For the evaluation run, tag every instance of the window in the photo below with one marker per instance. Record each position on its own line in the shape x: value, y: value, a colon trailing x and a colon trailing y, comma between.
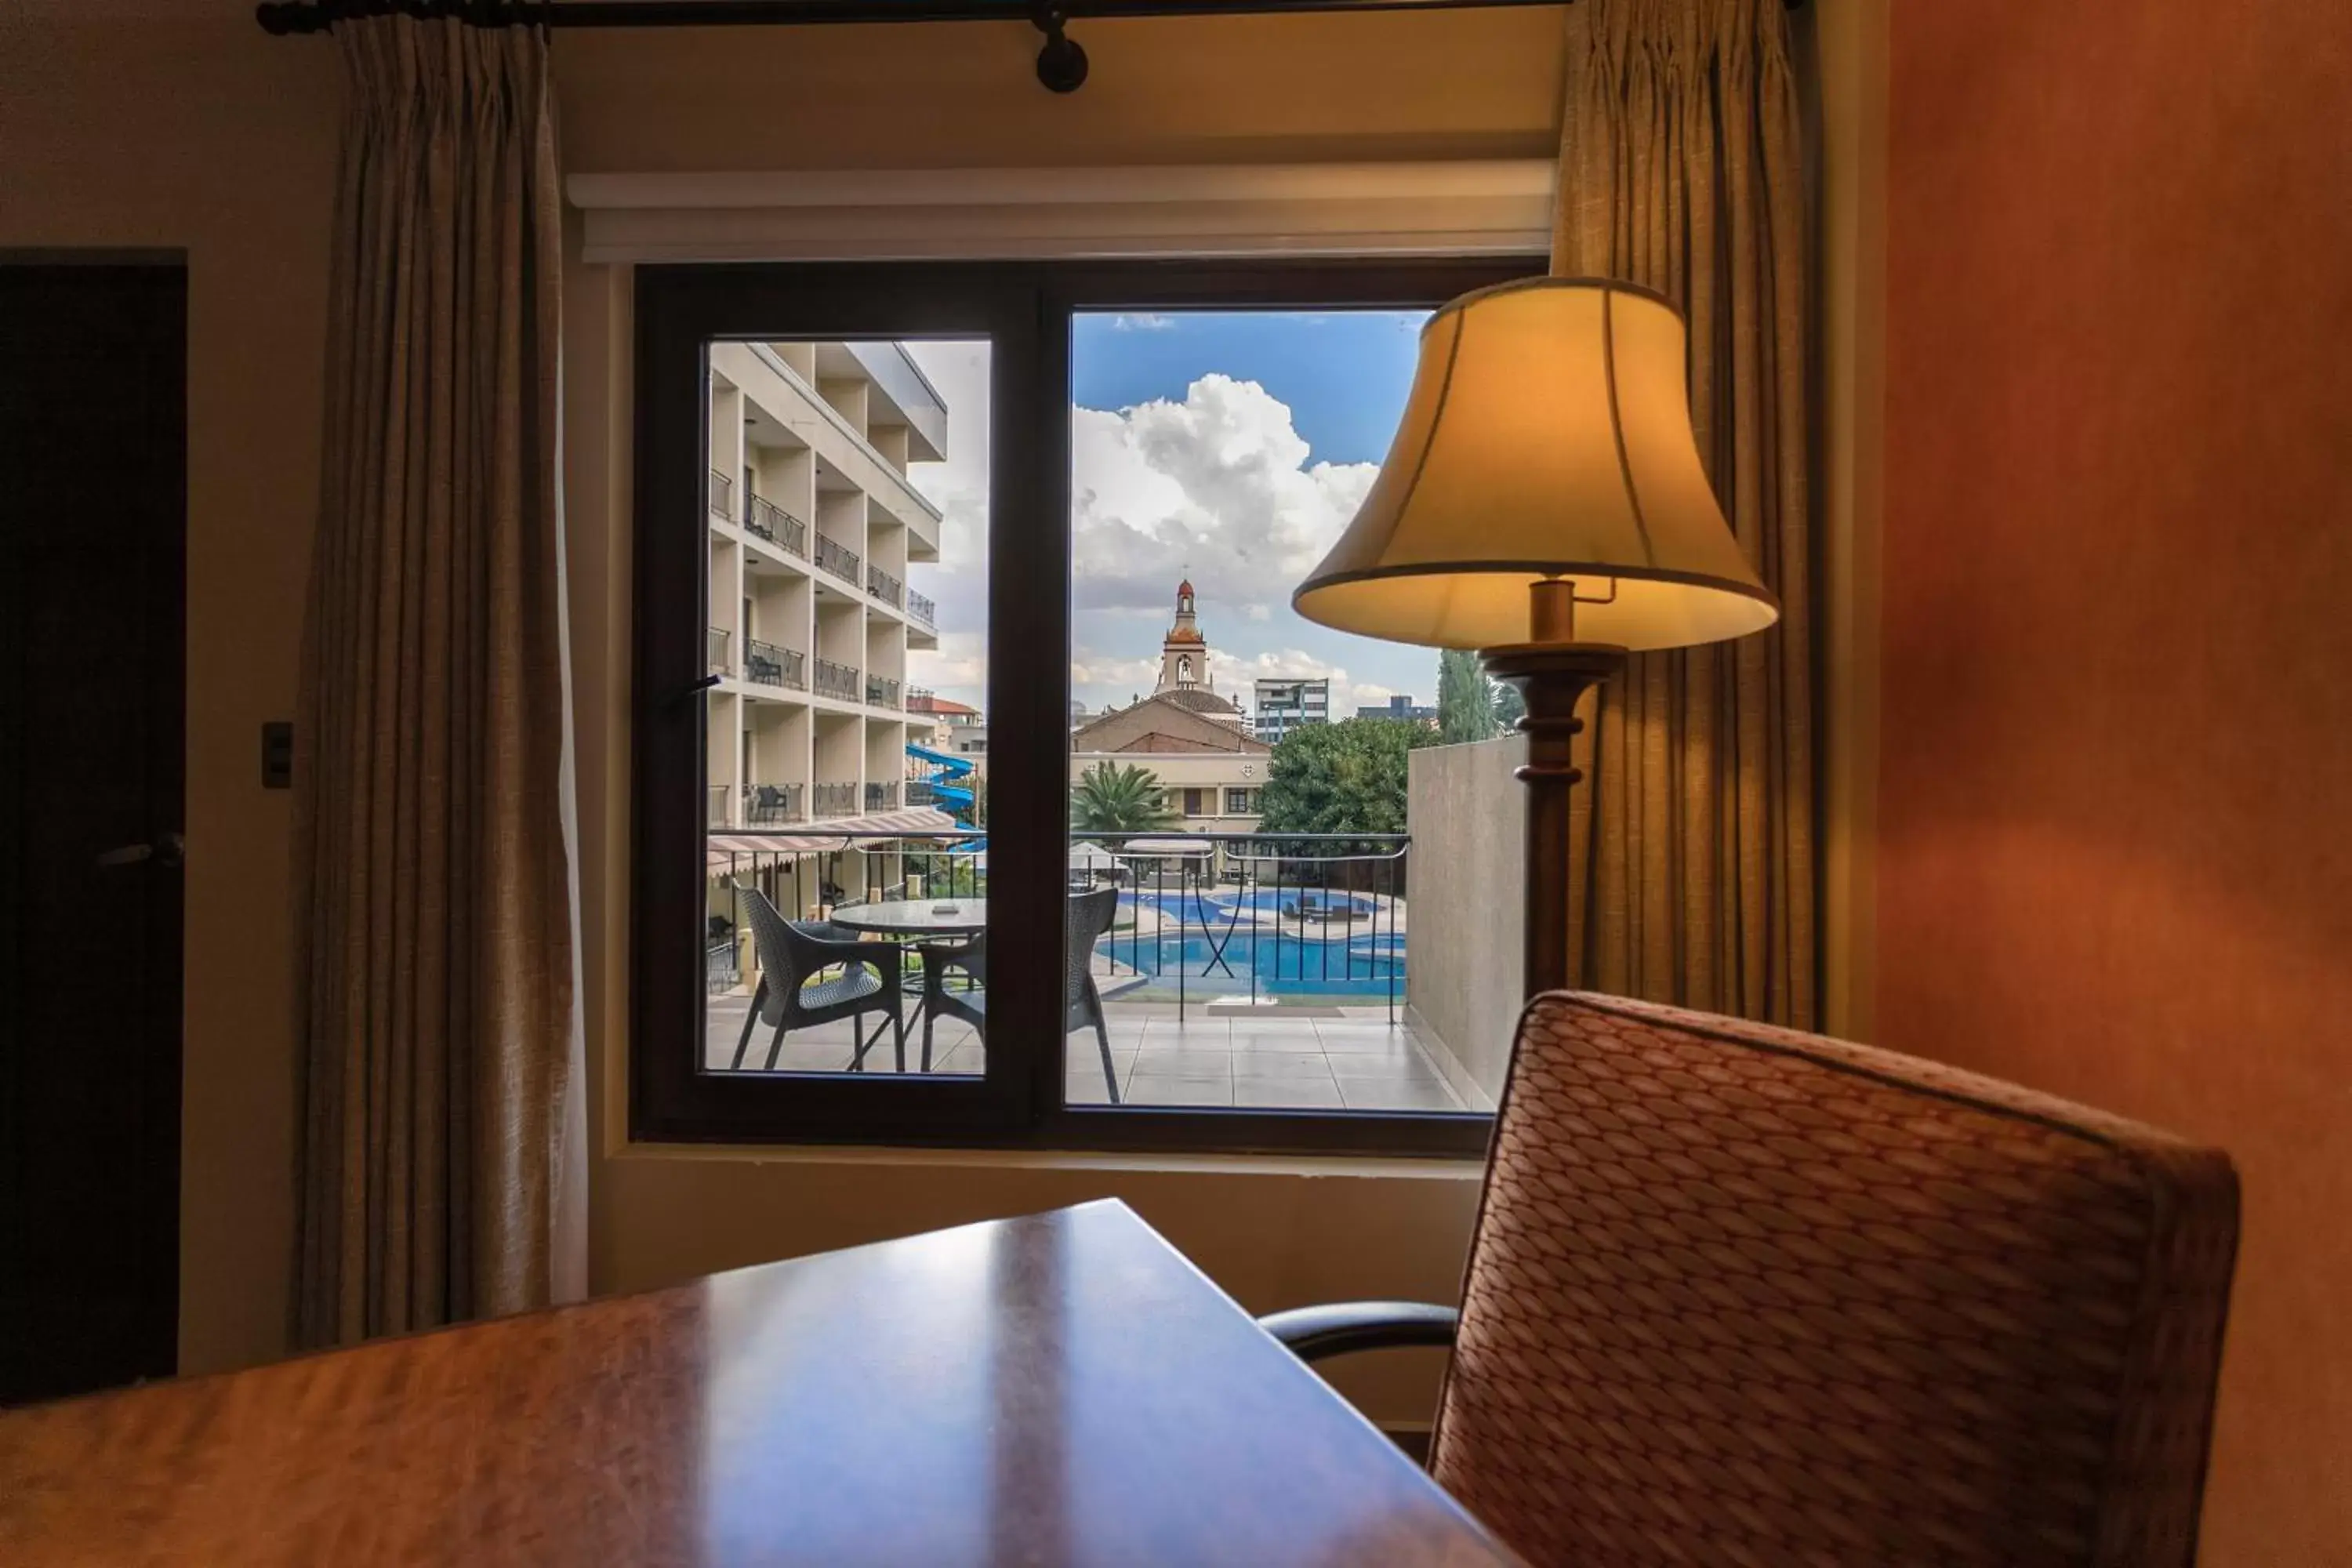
x: 912, y: 486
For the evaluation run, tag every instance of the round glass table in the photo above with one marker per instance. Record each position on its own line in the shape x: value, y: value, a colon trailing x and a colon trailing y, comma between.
x: 914, y: 917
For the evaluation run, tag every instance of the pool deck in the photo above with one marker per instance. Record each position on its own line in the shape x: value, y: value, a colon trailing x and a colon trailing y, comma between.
x: 1318, y: 1057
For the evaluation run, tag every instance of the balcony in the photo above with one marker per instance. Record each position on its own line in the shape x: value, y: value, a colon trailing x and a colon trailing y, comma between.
x: 770, y: 665
x: 718, y: 652
x: 920, y: 792
x: 881, y: 691
x: 719, y: 797
x: 837, y: 558
x: 923, y: 609
x: 882, y: 797
x: 778, y: 527
x: 834, y: 800
x: 884, y: 587
x: 722, y: 495
x: 836, y: 680
x: 767, y: 805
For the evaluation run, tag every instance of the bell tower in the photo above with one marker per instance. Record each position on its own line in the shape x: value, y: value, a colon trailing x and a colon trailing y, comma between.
x: 1184, y: 653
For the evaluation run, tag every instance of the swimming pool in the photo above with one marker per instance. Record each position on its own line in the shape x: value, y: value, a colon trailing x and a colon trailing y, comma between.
x: 1276, y: 962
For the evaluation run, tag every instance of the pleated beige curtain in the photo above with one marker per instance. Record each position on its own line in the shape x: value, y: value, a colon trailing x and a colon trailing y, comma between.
x: 441, y: 1158
x: 1680, y: 169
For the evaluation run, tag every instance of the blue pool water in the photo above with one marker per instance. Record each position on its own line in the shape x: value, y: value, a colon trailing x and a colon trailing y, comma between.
x: 1264, y: 961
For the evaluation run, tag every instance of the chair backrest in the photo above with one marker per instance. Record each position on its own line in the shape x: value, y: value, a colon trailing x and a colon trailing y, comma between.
x: 1745, y: 1295
x: 1090, y: 916
x: 771, y: 940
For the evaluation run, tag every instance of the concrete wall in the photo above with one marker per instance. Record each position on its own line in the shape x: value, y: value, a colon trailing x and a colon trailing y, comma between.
x: 1464, y: 911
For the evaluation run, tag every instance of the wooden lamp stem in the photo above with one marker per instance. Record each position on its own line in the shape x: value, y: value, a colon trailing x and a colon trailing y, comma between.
x: 1552, y: 673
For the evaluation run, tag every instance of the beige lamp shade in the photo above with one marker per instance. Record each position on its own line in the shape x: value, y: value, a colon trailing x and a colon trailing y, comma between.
x: 1547, y: 435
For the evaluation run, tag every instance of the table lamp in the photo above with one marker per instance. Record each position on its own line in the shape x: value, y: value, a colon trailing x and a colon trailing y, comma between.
x: 1543, y: 503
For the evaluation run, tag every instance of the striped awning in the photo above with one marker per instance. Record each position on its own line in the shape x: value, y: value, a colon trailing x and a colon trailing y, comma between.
x: 721, y: 849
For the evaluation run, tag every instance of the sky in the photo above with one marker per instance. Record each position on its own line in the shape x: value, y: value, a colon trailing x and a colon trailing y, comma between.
x: 1232, y: 447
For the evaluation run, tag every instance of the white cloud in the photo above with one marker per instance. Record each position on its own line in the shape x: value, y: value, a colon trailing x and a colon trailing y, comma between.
x: 1142, y: 321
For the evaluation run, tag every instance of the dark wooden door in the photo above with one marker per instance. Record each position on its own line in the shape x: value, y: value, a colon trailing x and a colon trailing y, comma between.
x: 92, y: 538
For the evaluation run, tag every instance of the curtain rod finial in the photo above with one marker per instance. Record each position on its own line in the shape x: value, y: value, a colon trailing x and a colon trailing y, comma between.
x: 1061, y: 63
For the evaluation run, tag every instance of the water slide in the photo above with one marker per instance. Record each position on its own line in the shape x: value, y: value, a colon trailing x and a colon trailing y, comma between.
x: 955, y: 796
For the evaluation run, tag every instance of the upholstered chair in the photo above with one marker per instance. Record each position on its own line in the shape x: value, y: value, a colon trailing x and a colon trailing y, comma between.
x: 1745, y: 1296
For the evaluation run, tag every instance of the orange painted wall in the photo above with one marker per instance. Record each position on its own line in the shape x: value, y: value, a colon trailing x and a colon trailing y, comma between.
x: 2115, y: 786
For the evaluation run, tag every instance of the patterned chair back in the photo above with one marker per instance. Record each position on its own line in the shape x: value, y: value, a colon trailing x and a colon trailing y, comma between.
x: 1742, y: 1295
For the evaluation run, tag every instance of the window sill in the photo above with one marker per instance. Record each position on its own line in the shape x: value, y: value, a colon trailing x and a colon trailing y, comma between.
x: 1389, y: 1167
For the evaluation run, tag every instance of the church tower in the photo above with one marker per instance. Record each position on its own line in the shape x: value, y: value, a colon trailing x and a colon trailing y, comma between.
x: 1184, y: 654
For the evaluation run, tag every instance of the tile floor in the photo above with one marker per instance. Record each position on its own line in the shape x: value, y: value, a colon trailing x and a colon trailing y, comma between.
x: 1340, y: 1058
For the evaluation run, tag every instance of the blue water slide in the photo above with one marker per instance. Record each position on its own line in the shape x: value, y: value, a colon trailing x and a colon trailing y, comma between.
x: 956, y: 797
x: 949, y: 767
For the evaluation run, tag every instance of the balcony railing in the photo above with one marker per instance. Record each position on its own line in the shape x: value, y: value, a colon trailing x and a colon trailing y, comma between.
x: 837, y: 558
x: 881, y: 691
x: 770, y: 665
x: 766, y: 805
x: 722, y: 494
x: 774, y: 524
x: 838, y: 680
x: 715, y: 642
x: 920, y: 792
x: 884, y: 587
x: 719, y: 795
x: 882, y: 797
x: 834, y: 800
x: 923, y: 609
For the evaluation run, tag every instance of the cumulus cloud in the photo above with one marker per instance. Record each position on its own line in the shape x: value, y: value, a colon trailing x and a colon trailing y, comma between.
x: 1218, y: 488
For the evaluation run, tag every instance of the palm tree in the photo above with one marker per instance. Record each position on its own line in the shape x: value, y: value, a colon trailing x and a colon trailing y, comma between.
x: 1108, y: 798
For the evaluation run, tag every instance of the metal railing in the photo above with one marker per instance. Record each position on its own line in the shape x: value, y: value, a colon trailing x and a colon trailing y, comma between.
x: 836, y: 558
x: 834, y: 800
x: 923, y: 609
x: 838, y: 680
x: 717, y: 651
x: 1315, y: 918
x: 722, y: 494
x: 774, y: 524
x: 884, y: 587
x: 881, y: 691
x: 768, y: 803
x: 719, y: 795
x: 882, y: 797
x: 771, y: 664
x: 920, y: 792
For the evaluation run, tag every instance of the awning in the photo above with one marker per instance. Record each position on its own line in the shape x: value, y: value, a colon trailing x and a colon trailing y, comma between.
x: 721, y: 850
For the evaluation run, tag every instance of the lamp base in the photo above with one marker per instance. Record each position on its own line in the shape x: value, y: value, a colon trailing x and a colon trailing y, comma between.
x: 1553, y: 678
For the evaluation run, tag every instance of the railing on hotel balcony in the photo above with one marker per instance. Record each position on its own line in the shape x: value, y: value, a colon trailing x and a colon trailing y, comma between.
x: 884, y: 587
x: 919, y: 791
x: 774, y: 524
x: 715, y: 643
x: 881, y: 691
x: 834, y: 800
x: 836, y: 558
x: 836, y: 680
x: 882, y: 797
x: 771, y: 665
x: 722, y: 494
x: 923, y: 609
x: 1314, y: 917
x: 764, y: 804
x: 719, y: 795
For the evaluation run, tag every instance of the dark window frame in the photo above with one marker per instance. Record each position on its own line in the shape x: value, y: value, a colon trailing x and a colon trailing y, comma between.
x: 1025, y: 310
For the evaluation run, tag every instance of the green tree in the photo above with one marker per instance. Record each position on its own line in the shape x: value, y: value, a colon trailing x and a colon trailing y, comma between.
x: 1348, y: 777
x: 1465, y: 698
x: 1508, y: 706
x: 1112, y: 798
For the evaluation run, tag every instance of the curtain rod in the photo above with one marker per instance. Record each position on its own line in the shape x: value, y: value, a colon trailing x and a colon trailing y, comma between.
x: 1061, y: 64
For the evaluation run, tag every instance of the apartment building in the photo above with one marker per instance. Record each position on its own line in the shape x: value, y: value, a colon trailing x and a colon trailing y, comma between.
x: 815, y: 530
x: 1283, y: 706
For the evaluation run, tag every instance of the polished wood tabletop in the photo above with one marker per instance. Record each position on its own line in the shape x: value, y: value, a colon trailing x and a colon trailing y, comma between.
x: 1063, y: 1388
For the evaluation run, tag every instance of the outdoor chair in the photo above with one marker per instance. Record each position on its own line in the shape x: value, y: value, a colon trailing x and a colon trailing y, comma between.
x: 1089, y: 917
x: 792, y: 995
x: 1742, y: 1295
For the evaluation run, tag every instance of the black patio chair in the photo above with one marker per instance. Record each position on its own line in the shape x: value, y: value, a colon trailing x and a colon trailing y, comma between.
x: 791, y: 995
x: 1090, y: 915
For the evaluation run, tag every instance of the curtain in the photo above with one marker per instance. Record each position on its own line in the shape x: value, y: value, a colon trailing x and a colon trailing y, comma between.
x: 1680, y: 170
x: 441, y: 1144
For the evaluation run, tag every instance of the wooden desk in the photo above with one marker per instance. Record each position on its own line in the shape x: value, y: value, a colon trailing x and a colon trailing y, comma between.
x: 1063, y: 1388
